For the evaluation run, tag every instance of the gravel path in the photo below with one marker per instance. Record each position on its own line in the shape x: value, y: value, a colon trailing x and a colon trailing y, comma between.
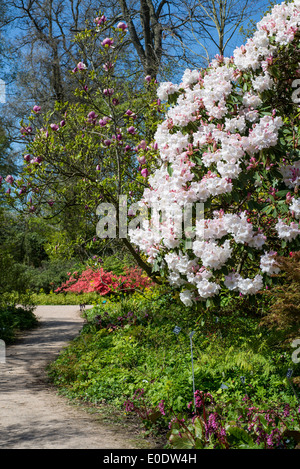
x: 32, y: 415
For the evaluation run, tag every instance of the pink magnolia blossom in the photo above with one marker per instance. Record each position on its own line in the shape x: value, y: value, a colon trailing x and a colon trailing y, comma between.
x: 107, y: 42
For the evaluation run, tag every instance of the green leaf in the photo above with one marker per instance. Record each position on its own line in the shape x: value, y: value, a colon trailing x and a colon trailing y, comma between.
x: 181, y: 442
x: 239, y: 438
x: 282, y: 193
x: 170, y: 169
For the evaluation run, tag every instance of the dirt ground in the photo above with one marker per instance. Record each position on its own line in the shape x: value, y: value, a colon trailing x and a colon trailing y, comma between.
x: 32, y: 415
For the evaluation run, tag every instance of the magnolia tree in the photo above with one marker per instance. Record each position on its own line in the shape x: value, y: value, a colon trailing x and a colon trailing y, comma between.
x: 229, y: 144
x: 93, y: 151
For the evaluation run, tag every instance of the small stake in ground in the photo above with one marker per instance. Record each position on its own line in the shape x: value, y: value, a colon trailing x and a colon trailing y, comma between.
x: 191, y: 341
x: 289, y: 375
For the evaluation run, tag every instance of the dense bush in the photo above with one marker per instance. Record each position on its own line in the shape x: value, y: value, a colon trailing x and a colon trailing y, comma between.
x: 49, y: 275
x: 97, y: 280
x: 14, y: 319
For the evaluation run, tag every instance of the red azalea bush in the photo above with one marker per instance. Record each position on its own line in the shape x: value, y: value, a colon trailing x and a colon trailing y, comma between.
x: 102, y: 282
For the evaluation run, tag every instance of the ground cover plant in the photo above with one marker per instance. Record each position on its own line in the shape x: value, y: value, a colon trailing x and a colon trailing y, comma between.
x: 128, y: 355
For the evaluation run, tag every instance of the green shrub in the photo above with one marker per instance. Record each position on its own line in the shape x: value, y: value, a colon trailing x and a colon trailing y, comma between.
x: 13, y: 320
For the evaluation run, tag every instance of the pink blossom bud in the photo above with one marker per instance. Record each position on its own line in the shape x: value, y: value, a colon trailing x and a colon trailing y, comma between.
x: 131, y: 130
x: 145, y: 172
x: 98, y: 167
x: 108, y: 66
x: 62, y: 123
x: 54, y: 127
x: 108, y: 91
x: 9, y: 179
x: 143, y: 144
x: 36, y: 109
x: 100, y: 20
x: 26, y: 130
x: 81, y: 66
x: 148, y: 78
x: 27, y: 158
x: 107, y: 42
x: 122, y: 26
x: 141, y: 159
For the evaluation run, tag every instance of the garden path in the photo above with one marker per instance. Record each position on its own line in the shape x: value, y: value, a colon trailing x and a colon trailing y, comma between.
x: 32, y: 415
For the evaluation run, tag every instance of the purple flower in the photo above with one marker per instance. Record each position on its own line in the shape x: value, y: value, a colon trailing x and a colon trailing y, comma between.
x: 130, y: 113
x: 27, y: 158
x: 103, y: 122
x: 107, y: 42
x: 161, y: 407
x: 9, y: 179
x: 131, y: 130
x: 92, y: 116
x: 127, y: 148
x: 142, y: 144
x: 36, y: 109
x: 141, y: 159
x: 26, y: 130
x: 108, y: 66
x: 54, y: 127
x: 1, y: 179
x: 98, y: 167
x: 122, y: 26
x: 148, y: 78
x: 107, y: 142
x: 50, y: 203
x: 108, y: 91
x: 145, y: 172
x: 62, y: 123
x: 37, y: 159
x: 81, y: 66
x: 100, y: 20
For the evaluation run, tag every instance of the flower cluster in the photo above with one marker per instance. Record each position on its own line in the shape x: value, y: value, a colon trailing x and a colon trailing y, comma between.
x: 104, y: 282
x: 218, y: 146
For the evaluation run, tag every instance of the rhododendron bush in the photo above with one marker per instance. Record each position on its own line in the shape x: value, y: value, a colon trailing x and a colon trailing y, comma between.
x: 230, y: 142
x: 97, y: 280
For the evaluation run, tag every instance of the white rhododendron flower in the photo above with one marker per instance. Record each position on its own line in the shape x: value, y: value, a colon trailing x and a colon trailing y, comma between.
x: 268, y: 263
x: 295, y: 207
x: 219, y: 146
